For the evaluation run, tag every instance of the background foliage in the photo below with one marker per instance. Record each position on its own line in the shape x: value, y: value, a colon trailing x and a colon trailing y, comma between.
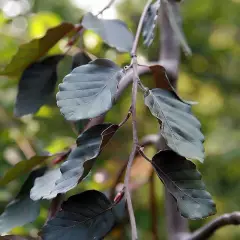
x: 211, y: 77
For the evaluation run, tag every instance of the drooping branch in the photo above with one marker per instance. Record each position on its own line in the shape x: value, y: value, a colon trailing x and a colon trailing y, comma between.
x: 134, y: 123
x: 169, y: 57
x: 209, y: 229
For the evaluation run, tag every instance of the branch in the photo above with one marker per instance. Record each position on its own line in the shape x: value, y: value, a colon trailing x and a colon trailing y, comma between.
x: 210, y: 228
x: 55, y: 206
x: 148, y: 140
x: 106, y: 7
x: 134, y: 123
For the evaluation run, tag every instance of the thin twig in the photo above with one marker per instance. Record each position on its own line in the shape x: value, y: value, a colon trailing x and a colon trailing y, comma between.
x: 106, y: 7
x: 210, y: 228
x: 134, y: 123
x: 153, y: 207
x: 146, y: 141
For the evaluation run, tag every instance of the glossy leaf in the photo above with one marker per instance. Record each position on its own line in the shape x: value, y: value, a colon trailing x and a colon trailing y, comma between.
x: 149, y: 23
x: 45, y: 184
x: 89, y: 215
x: 30, y: 52
x: 81, y: 159
x: 183, y: 181
x: 114, y: 32
x: 22, y: 209
x: 179, y: 127
x: 36, y: 85
x: 89, y: 90
x: 21, y: 168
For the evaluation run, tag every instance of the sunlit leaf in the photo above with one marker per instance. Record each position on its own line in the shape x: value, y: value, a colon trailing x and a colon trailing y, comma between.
x: 149, y: 23
x: 89, y: 215
x: 45, y: 184
x: 183, y: 181
x: 21, y: 168
x: 179, y: 127
x: 81, y: 159
x: 30, y: 52
x: 22, y: 209
x: 36, y: 85
x: 114, y: 32
x: 89, y: 90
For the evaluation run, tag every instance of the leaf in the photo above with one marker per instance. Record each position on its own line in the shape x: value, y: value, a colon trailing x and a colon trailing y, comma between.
x: 22, y: 209
x: 21, y: 168
x: 87, y: 216
x: 30, y: 52
x: 45, y: 184
x: 80, y: 59
x: 36, y: 85
x: 183, y: 181
x: 149, y: 23
x: 114, y: 32
x: 81, y: 159
x: 179, y: 127
x: 162, y: 81
x: 15, y: 237
x: 89, y: 90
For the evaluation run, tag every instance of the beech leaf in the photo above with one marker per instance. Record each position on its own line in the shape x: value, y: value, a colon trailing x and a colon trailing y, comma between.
x: 21, y: 168
x: 81, y: 159
x: 149, y: 23
x: 183, y: 181
x: 30, y: 52
x: 114, y: 32
x: 88, y: 215
x: 36, y: 85
x: 89, y: 90
x: 179, y: 127
x: 22, y: 209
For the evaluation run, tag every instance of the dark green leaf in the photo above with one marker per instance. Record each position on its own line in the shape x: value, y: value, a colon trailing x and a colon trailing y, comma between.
x: 89, y: 90
x: 81, y: 159
x: 21, y: 168
x: 149, y: 23
x: 30, y: 52
x: 36, y: 85
x: 183, y: 181
x: 22, y: 209
x: 85, y: 216
x: 45, y: 184
x: 114, y: 32
x: 80, y: 59
x: 179, y: 127
x: 15, y: 237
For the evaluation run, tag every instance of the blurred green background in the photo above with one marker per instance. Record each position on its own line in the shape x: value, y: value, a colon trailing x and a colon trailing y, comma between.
x: 210, y: 77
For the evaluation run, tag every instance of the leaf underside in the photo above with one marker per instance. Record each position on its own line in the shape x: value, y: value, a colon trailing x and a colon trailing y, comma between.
x: 114, y: 32
x: 30, y: 52
x: 89, y: 90
x: 22, y: 209
x: 81, y: 159
x: 183, y: 181
x: 87, y: 216
x: 149, y: 23
x: 36, y: 85
x: 179, y: 127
